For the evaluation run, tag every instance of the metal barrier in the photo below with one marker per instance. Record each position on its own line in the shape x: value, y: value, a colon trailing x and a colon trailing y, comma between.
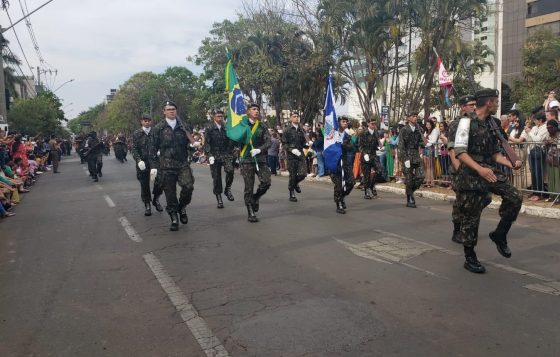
x: 539, y: 176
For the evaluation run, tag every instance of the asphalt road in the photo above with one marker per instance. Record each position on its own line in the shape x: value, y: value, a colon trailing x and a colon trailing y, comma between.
x: 382, y: 280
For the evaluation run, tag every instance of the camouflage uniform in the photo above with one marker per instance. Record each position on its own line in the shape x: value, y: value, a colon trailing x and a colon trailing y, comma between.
x: 345, y: 169
x: 367, y: 144
x: 261, y: 140
x: 142, y: 151
x: 218, y: 145
x: 456, y: 216
x: 294, y: 138
x: 409, y: 144
x: 472, y: 189
x: 173, y: 164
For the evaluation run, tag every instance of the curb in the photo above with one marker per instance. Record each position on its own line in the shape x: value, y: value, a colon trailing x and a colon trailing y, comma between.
x: 553, y: 213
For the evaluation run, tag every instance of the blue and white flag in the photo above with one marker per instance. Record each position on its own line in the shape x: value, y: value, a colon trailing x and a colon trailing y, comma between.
x: 333, y: 148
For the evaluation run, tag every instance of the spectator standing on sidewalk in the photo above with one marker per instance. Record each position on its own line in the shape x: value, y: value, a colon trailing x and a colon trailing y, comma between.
x: 54, y: 147
x: 536, y: 137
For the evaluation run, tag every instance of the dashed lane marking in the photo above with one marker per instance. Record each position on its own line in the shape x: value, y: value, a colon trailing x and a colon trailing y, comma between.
x: 99, y: 187
x: 209, y: 343
x: 132, y: 234
x: 109, y: 201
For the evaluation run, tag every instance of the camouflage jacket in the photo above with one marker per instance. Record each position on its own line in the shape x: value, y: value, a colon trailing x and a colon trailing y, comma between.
x: 142, y: 146
x: 293, y: 138
x: 216, y: 142
x: 173, y: 145
x: 368, y: 143
x: 261, y: 141
x: 409, y: 144
x: 478, y: 141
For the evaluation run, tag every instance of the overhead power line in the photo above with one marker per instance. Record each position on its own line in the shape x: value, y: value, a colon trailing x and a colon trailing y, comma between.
x: 19, y: 43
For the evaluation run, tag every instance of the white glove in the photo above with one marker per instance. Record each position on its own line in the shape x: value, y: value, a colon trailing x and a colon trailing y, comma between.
x: 366, y: 158
x: 407, y: 164
x: 255, y: 152
x: 211, y: 160
x: 158, y: 153
x: 153, y: 172
x: 296, y: 152
x: 141, y: 165
x: 196, y: 144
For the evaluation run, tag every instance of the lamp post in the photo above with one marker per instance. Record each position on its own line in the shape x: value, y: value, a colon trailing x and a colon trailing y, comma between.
x: 62, y: 85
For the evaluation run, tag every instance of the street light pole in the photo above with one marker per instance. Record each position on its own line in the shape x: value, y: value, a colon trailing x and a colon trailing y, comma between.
x: 62, y: 85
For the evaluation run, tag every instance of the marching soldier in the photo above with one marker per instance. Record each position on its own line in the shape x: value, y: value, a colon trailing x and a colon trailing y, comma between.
x: 343, y: 177
x: 293, y: 141
x: 219, y: 149
x: 477, y: 148
x: 410, y: 142
x: 92, y: 153
x: 141, y: 152
x: 252, y: 158
x: 172, y: 138
x: 368, y: 141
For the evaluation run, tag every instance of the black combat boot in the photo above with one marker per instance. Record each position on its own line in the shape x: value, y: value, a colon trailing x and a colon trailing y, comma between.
x: 456, y: 237
x: 298, y: 189
x: 148, y: 211
x: 340, y: 208
x: 95, y: 179
x: 256, y: 197
x: 367, y: 194
x: 157, y: 205
x: 471, y: 261
x: 342, y: 202
x: 220, y: 202
x: 499, y: 237
x: 251, y: 217
x: 228, y: 194
x: 293, y: 196
x: 410, y: 201
x: 374, y: 192
x: 183, y: 216
x: 174, y: 222
x: 99, y: 167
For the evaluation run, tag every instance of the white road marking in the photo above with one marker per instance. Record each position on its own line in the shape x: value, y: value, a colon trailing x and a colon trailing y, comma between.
x: 99, y: 187
x: 109, y: 201
x: 209, y: 343
x: 132, y: 234
x: 551, y: 286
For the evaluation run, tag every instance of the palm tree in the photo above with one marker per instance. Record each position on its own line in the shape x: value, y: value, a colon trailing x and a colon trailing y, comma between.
x: 11, y: 79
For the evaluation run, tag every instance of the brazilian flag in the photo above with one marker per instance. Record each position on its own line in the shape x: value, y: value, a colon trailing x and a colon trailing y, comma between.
x: 237, y: 124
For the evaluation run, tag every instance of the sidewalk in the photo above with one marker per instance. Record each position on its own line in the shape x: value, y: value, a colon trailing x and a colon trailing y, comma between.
x: 538, y: 208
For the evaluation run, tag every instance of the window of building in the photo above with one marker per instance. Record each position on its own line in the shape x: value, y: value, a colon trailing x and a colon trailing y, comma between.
x: 483, y: 38
x: 484, y: 29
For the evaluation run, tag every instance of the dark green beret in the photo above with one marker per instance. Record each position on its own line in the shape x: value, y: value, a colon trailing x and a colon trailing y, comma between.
x: 466, y: 98
x: 486, y: 92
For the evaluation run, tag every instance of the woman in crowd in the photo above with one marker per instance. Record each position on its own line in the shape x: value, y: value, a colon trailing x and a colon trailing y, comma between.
x: 553, y: 160
x: 443, y: 155
x: 431, y: 133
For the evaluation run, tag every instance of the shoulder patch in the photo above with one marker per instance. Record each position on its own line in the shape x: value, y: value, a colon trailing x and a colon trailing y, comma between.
x: 462, y: 135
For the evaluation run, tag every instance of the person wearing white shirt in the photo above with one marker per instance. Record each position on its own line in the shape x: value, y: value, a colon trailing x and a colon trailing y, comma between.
x: 536, y: 136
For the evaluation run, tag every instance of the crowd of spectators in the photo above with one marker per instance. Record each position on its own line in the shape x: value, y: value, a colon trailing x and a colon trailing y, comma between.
x: 22, y: 160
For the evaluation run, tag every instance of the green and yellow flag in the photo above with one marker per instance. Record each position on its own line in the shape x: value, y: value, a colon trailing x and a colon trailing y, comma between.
x: 237, y: 122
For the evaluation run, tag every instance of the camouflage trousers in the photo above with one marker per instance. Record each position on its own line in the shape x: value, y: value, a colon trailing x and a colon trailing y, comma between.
x: 337, y: 178
x: 413, y: 177
x: 368, y: 177
x: 170, y: 178
x: 297, y: 170
x: 216, y: 171
x: 144, y: 178
x: 471, y: 204
x: 249, y: 171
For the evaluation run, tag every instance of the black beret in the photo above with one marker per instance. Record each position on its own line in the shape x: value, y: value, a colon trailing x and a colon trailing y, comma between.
x: 486, y: 93
x: 342, y: 117
x: 253, y: 105
x: 466, y: 98
x: 146, y: 116
x: 170, y: 103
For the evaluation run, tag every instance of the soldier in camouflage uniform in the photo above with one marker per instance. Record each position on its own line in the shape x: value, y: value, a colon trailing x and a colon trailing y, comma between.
x: 293, y: 141
x: 478, y: 149
x: 252, y: 159
x: 410, y: 142
x: 368, y: 141
x: 219, y: 150
x: 467, y: 104
x: 172, y: 138
x: 344, y: 173
x: 141, y: 152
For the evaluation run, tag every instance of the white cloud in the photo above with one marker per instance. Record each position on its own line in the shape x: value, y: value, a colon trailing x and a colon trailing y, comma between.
x: 101, y: 43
